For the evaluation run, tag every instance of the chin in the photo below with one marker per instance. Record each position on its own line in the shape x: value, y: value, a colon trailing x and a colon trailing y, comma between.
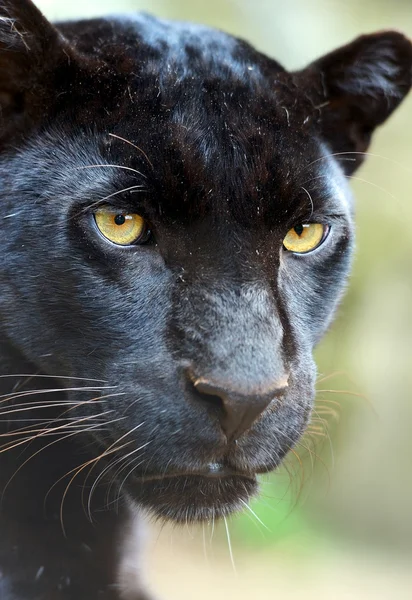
x: 193, y: 497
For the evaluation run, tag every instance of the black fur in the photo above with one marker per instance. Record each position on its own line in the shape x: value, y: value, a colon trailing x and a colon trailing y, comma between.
x: 227, y: 152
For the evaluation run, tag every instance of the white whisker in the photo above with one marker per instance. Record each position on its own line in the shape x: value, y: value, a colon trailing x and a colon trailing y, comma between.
x: 30, y: 375
x: 118, y: 137
x: 112, y: 167
x: 311, y: 201
x: 229, y: 545
x: 249, y: 508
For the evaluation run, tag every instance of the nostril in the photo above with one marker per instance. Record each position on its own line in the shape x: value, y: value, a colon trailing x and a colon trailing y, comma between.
x: 236, y: 411
x: 212, y: 400
x: 208, y: 396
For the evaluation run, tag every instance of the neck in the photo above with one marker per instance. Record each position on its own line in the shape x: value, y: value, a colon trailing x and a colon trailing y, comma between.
x: 63, y: 544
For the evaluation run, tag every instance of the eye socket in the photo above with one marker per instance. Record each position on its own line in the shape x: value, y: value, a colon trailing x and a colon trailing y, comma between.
x: 120, y: 227
x: 305, y: 237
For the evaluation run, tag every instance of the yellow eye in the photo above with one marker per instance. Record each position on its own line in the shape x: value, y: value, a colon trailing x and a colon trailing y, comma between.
x: 121, y: 228
x: 305, y: 237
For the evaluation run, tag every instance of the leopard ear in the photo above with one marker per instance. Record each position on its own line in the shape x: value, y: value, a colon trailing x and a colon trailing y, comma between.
x: 355, y: 88
x: 30, y: 50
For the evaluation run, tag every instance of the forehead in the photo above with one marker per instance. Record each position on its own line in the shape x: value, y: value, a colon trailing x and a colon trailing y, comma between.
x: 167, y: 48
x: 229, y: 160
x: 210, y: 123
x: 71, y: 174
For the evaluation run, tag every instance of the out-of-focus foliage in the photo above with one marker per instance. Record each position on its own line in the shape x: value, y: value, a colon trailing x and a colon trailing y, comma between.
x: 357, y: 480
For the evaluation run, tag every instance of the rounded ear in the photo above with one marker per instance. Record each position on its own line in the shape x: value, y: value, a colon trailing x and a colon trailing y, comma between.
x: 355, y: 88
x: 30, y: 50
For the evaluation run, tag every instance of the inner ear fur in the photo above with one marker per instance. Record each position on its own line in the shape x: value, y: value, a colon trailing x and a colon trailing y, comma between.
x: 30, y: 51
x: 355, y: 88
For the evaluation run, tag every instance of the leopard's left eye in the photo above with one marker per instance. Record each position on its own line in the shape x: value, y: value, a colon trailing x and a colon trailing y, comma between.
x: 305, y: 237
x: 121, y: 228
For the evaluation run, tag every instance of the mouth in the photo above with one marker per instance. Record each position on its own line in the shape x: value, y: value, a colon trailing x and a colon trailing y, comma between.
x: 194, y: 496
x: 212, y: 471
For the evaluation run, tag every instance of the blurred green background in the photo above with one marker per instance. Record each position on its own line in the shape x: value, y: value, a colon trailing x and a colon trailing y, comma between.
x: 337, y: 519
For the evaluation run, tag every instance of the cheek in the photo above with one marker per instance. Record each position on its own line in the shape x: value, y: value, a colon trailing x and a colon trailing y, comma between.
x: 312, y: 291
x: 98, y: 318
x: 127, y: 325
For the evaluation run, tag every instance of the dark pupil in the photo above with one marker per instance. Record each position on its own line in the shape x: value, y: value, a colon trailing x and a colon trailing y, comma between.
x: 299, y: 229
x: 120, y: 219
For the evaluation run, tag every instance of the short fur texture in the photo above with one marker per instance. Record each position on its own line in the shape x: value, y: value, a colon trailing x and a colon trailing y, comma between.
x: 102, y: 347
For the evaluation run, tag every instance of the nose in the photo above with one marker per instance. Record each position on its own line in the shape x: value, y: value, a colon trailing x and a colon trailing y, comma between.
x: 238, y: 410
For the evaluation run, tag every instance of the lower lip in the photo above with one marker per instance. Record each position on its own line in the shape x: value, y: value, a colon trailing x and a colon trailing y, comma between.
x: 193, y: 497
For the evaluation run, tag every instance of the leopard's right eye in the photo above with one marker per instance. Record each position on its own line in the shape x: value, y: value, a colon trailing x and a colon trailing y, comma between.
x: 120, y: 227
